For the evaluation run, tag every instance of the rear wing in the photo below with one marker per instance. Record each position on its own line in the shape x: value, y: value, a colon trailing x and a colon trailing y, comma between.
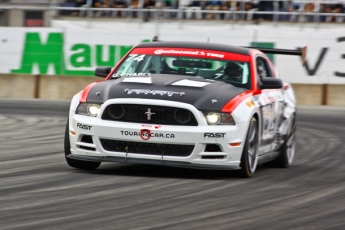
x: 298, y: 52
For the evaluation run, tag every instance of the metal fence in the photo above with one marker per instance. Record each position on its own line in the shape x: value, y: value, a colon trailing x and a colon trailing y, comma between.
x: 235, y: 12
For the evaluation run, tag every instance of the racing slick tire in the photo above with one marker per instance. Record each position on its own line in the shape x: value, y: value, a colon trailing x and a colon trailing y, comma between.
x: 287, y: 150
x: 79, y: 164
x: 249, y: 158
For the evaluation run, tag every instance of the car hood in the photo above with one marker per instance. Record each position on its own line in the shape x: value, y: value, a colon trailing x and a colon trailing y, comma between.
x: 202, y: 93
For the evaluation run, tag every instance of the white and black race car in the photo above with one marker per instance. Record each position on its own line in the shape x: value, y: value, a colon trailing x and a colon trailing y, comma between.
x: 185, y: 104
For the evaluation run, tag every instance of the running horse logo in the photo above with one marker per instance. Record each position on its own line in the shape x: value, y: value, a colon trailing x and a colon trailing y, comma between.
x: 149, y: 114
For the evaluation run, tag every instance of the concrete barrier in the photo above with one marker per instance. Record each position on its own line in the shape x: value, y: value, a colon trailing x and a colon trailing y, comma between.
x: 17, y: 86
x: 335, y: 95
x: 42, y: 86
x: 307, y: 94
x: 64, y: 87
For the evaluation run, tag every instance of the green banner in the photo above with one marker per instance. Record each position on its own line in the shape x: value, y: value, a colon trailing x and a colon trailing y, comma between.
x: 270, y: 45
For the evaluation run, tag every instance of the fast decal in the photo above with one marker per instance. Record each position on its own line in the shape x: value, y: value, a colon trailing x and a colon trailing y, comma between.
x: 146, y: 134
x: 84, y: 127
x: 214, y: 135
x: 153, y: 92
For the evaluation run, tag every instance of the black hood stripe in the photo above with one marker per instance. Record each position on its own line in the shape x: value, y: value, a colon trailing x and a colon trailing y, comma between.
x: 204, y: 95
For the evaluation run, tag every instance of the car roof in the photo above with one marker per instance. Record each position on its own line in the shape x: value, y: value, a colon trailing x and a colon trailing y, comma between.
x: 196, y: 45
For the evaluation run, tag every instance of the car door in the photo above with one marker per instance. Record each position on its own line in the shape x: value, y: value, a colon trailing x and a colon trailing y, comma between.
x: 271, y: 105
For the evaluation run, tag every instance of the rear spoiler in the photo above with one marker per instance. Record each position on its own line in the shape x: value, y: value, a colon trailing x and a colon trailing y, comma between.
x: 298, y: 52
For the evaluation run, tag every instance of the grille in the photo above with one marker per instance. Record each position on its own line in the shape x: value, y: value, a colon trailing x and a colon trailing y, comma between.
x: 159, y: 114
x: 147, y: 148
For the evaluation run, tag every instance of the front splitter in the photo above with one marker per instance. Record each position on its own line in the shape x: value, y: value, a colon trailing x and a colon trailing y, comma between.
x: 152, y: 162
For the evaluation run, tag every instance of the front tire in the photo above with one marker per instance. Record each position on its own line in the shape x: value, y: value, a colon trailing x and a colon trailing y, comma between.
x: 249, y: 159
x: 85, y: 165
x: 287, y: 151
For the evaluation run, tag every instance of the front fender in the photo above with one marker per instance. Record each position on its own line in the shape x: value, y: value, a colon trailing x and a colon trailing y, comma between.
x: 243, y: 114
x: 73, y: 107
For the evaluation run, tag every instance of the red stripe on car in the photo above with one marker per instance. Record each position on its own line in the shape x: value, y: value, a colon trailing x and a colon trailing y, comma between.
x: 86, y: 91
x: 233, y: 103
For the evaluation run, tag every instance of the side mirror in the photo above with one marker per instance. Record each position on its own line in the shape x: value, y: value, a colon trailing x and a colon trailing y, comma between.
x: 102, y: 71
x: 271, y: 83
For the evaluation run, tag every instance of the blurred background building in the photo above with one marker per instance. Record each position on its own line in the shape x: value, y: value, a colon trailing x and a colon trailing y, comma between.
x: 22, y: 13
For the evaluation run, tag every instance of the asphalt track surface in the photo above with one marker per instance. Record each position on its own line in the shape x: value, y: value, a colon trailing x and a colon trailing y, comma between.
x: 39, y: 191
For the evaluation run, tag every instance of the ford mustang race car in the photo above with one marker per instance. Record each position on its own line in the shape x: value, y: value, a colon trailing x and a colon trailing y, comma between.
x: 185, y: 104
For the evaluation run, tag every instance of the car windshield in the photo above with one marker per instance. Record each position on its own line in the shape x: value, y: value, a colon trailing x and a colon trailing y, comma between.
x: 236, y: 73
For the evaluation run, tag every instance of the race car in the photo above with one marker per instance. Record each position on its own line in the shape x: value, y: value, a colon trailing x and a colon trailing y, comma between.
x: 185, y: 104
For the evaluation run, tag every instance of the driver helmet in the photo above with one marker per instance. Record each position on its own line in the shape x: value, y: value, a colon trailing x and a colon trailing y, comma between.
x: 233, y: 72
x: 261, y: 71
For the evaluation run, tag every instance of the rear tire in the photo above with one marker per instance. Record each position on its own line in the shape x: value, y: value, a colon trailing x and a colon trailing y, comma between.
x: 249, y: 159
x: 86, y: 165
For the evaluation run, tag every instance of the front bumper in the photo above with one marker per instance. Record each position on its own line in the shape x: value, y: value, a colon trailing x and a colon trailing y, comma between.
x: 212, y: 146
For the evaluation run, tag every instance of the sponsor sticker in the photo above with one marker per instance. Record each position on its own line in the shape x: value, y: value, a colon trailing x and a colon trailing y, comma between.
x: 250, y: 103
x: 151, y: 126
x: 146, y: 134
x: 190, y: 52
x: 117, y: 75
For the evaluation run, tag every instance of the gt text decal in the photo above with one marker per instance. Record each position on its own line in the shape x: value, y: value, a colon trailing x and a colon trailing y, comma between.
x: 85, y: 127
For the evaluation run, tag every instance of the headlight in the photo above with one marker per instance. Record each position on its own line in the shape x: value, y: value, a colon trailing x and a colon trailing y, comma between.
x: 88, y: 109
x: 214, y: 118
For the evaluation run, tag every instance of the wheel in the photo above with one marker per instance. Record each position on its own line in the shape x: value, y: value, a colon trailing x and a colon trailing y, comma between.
x: 86, y: 165
x: 287, y: 151
x: 249, y: 159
